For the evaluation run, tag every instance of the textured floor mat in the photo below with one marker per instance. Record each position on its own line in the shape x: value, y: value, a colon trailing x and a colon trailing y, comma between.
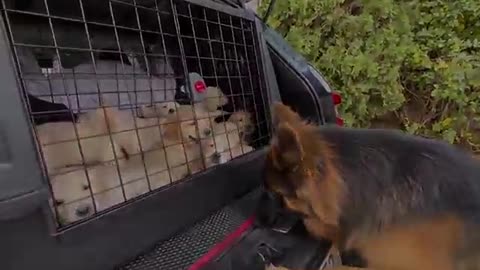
x: 184, y: 249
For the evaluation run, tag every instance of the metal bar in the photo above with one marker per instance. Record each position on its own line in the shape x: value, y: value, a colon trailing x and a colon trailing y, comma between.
x: 185, y: 70
x: 129, y: 98
x: 94, y: 64
x: 202, y: 156
x: 241, y: 81
x: 229, y: 82
x: 69, y: 105
x: 251, y: 81
x: 237, y: 12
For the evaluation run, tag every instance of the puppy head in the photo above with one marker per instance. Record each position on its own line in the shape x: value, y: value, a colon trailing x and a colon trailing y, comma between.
x: 215, y: 98
x: 243, y: 120
x: 187, y: 130
x: 196, y: 128
x: 71, y: 196
x: 72, y: 191
x: 293, y: 165
x: 161, y: 109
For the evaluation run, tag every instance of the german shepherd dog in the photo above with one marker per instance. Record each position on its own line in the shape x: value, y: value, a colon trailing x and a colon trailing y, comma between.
x: 401, y: 202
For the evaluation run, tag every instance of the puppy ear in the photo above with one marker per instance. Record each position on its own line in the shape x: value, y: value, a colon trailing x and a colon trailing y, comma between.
x: 284, y: 114
x: 287, y: 149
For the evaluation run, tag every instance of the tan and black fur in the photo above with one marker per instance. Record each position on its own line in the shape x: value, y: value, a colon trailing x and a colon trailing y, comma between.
x: 402, y: 202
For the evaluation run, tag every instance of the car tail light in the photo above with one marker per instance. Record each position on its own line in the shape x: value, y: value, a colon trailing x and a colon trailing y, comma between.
x: 339, y: 121
x: 337, y: 100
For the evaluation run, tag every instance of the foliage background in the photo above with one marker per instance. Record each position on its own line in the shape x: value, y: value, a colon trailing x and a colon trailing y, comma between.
x: 411, y: 64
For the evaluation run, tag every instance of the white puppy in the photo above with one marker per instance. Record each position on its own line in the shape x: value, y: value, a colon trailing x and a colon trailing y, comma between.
x: 100, y: 132
x: 243, y: 120
x: 110, y: 184
x: 60, y: 142
x: 160, y: 109
x: 214, y: 98
x: 229, y: 143
x: 76, y: 198
x: 134, y: 134
x: 185, y: 138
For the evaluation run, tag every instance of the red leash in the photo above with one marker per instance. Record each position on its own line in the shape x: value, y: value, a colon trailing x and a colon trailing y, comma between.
x: 223, y: 245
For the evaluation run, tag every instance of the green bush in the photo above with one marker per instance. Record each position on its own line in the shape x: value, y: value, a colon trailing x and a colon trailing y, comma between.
x: 417, y: 61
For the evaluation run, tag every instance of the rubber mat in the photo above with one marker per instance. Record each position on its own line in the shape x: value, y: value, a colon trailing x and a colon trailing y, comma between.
x: 182, y: 250
x: 260, y: 247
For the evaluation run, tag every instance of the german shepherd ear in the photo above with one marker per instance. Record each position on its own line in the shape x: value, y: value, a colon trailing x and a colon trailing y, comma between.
x: 287, y: 149
x: 284, y: 114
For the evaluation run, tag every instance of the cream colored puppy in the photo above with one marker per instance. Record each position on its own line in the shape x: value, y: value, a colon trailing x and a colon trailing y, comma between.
x: 182, y: 113
x: 160, y: 109
x: 100, y: 132
x: 110, y: 184
x: 76, y: 198
x: 185, y: 140
x: 229, y: 143
x: 243, y: 120
x: 134, y: 134
x: 214, y: 98
x: 195, y: 121
x: 226, y: 135
x: 61, y: 142
x: 168, y: 108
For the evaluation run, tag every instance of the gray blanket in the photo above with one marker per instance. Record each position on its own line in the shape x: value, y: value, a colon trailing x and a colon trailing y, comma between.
x: 78, y: 88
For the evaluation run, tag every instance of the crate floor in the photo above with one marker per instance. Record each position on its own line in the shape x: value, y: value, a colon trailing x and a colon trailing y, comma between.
x: 182, y: 250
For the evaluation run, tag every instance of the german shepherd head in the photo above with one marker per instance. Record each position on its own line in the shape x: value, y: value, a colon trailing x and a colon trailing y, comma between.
x: 300, y: 175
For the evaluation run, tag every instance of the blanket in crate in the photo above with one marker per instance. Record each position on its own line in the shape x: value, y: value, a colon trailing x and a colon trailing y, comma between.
x: 123, y: 85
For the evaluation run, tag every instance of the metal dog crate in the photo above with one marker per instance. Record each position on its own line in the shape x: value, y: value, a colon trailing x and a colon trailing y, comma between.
x: 59, y: 58
x: 134, y: 54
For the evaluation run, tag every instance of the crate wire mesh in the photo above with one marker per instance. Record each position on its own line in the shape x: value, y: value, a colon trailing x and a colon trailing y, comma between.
x: 103, y: 84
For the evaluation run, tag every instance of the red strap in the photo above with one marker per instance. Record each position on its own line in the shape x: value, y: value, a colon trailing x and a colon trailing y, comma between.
x: 222, y: 246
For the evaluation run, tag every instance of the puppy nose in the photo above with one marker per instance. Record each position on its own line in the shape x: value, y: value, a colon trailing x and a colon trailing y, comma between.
x: 171, y: 111
x: 216, y: 157
x: 207, y: 132
x: 83, y: 210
